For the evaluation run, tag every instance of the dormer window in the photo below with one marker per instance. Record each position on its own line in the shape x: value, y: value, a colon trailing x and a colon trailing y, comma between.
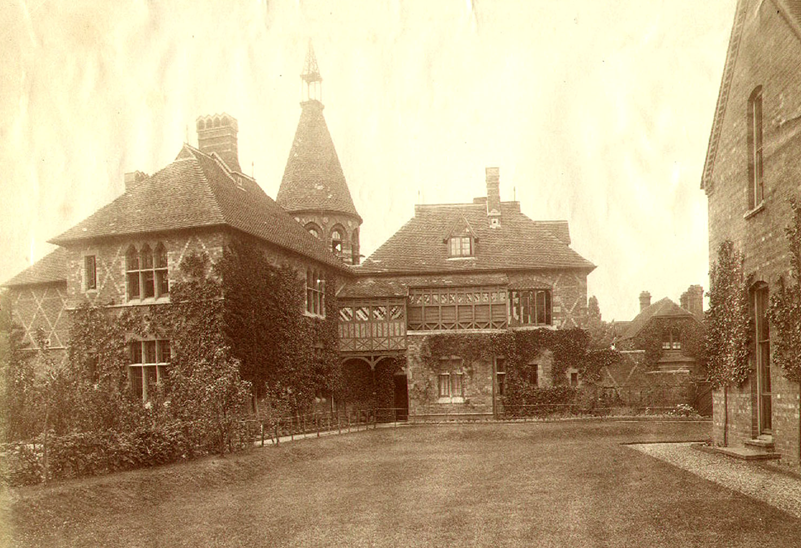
x: 460, y: 246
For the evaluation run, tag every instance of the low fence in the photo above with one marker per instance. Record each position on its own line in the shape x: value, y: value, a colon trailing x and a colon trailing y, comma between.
x: 273, y: 431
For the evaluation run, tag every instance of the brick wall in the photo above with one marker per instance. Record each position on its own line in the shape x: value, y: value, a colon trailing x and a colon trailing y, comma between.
x: 769, y: 56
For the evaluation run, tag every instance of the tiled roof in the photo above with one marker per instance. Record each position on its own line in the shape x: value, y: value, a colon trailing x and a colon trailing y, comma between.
x: 664, y: 308
x: 313, y: 179
x: 52, y: 268
x: 365, y: 287
x: 519, y: 243
x: 196, y: 190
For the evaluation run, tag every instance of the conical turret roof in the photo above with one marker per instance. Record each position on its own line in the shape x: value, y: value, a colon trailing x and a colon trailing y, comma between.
x: 313, y: 179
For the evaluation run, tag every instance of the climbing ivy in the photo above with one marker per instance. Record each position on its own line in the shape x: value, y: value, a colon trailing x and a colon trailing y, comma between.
x: 784, y: 310
x: 727, y: 319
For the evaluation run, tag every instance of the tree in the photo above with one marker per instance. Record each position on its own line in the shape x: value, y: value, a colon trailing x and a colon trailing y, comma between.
x: 727, y: 325
x: 601, y: 333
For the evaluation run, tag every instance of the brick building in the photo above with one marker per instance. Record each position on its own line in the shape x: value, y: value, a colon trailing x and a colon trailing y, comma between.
x: 482, y: 267
x: 660, y: 348
x: 750, y: 174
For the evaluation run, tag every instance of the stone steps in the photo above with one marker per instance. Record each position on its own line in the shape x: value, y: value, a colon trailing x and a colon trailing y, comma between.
x: 745, y: 453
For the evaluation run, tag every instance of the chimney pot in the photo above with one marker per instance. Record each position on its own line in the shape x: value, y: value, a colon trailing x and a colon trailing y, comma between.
x: 217, y: 133
x: 133, y: 178
x: 493, y: 176
x: 645, y: 300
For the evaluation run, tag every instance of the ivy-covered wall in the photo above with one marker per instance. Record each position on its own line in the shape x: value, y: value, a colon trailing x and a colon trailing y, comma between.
x: 473, y: 354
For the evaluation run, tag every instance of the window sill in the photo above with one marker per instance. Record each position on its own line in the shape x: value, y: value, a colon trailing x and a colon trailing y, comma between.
x: 312, y: 315
x: 450, y: 399
x: 753, y: 212
x: 461, y: 257
x: 147, y: 301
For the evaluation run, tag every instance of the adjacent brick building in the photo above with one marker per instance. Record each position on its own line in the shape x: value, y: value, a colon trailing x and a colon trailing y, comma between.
x: 661, y: 346
x: 752, y: 170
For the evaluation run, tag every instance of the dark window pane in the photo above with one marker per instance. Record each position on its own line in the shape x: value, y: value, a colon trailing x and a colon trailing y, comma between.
x: 91, y: 272
x: 163, y: 351
x: 132, y: 259
x: 136, y: 352
x: 150, y: 351
x: 148, y: 284
x: 136, y: 381
x: 133, y: 285
x: 162, y: 282
x: 146, y: 256
x: 161, y: 257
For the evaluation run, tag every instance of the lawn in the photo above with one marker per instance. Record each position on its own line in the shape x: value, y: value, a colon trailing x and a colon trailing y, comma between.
x: 533, y: 484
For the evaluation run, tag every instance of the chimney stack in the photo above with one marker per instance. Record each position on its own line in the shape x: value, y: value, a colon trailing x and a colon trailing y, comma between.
x: 494, y: 195
x: 645, y: 300
x: 133, y: 178
x: 692, y: 300
x: 217, y: 133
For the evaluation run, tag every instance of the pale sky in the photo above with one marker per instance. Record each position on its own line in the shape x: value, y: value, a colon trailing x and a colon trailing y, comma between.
x: 596, y: 111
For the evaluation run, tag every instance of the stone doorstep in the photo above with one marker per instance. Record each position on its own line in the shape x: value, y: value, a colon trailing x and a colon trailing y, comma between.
x: 762, y: 442
x: 742, y: 453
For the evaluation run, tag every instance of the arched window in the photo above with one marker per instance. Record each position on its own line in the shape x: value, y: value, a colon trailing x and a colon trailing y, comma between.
x: 147, y: 273
x: 354, y: 247
x: 337, y: 240
x: 313, y: 229
x: 162, y: 279
x: 132, y: 272
x: 756, y: 190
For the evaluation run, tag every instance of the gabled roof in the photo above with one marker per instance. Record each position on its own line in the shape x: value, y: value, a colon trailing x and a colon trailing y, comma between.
x: 664, y: 308
x: 517, y: 244
x: 313, y: 179
x: 198, y: 190
x: 52, y: 268
x: 791, y: 13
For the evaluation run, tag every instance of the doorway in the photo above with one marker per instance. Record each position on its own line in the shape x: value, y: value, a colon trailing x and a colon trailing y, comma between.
x: 401, y: 397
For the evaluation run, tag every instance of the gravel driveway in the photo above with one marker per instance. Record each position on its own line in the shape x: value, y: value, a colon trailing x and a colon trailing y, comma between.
x: 775, y: 488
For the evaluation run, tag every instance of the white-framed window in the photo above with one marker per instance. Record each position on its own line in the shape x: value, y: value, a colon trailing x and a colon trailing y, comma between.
x: 147, y: 369
x: 671, y: 339
x: 146, y: 272
x: 530, y: 307
x: 460, y: 246
x: 90, y: 272
x: 451, y: 382
x: 315, y: 292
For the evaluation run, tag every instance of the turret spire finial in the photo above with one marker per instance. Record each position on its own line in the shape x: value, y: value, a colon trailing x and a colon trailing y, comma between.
x: 313, y: 88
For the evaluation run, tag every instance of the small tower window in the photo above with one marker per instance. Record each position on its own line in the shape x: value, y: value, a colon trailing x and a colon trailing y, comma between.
x: 313, y: 229
x: 336, y: 241
x: 354, y: 248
